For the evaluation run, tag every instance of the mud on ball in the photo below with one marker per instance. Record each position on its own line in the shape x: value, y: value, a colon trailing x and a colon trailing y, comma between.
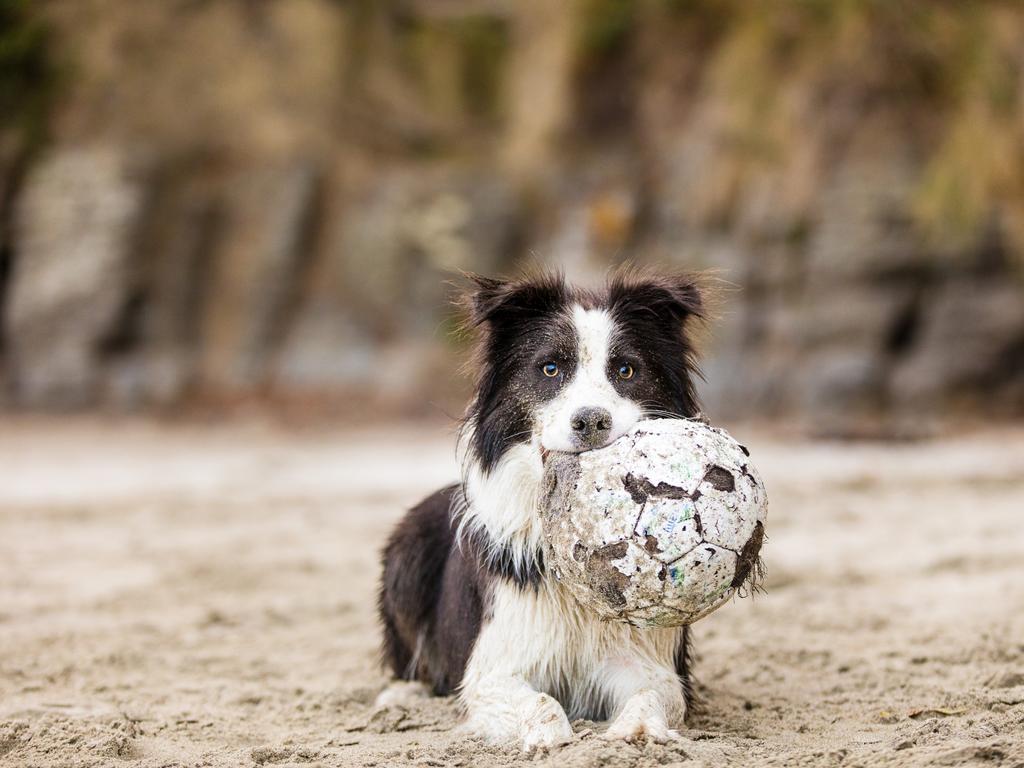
x: 659, y: 528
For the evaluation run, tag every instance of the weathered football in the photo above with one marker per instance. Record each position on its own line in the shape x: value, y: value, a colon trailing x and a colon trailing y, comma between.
x: 659, y: 528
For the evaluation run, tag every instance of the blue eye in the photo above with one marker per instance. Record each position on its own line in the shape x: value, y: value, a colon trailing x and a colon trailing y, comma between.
x: 550, y: 370
x: 626, y: 371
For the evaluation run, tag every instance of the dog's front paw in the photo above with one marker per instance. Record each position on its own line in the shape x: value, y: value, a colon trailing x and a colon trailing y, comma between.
x: 401, y: 693
x: 637, y: 729
x: 642, y: 718
x: 545, y: 724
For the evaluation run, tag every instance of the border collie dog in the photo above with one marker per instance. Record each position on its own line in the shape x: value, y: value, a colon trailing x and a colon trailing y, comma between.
x: 465, y: 601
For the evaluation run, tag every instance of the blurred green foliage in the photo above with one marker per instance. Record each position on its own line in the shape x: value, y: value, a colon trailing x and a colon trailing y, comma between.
x: 777, y: 71
x: 459, y: 62
x: 605, y: 26
x: 953, y: 69
x: 980, y: 161
x: 27, y: 74
x: 484, y: 43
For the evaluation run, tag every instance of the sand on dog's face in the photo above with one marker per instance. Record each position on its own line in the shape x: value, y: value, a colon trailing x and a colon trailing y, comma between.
x: 181, y: 597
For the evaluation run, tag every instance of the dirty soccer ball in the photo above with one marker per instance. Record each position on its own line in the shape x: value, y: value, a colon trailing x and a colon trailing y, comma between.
x: 659, y: 528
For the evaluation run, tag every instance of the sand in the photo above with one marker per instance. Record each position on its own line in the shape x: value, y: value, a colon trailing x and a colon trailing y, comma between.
x: 199, y: 596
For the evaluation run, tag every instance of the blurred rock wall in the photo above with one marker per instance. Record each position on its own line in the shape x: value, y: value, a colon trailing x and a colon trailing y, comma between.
x: 266, y: 199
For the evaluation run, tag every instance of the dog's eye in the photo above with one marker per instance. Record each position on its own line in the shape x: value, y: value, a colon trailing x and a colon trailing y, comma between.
x: 626, y: 371
x: 550, y: 369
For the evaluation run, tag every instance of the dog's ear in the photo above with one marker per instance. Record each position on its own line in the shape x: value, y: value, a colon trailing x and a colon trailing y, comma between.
x: 483, y: 297
x: 489, y: 299
x: 672, y: 298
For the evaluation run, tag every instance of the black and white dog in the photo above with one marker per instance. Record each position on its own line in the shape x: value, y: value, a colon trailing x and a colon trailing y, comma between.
x: 465, y: 600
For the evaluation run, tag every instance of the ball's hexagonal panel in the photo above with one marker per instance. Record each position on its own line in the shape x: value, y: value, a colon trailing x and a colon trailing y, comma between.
x: 614, y: 512
x: 742, y: 496
x: 668, y: 528
x: 701, y: 581
x: 647, y: 529
x: 662, y: 461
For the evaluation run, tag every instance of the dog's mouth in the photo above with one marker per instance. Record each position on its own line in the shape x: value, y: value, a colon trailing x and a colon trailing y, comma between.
x: 546, y: 453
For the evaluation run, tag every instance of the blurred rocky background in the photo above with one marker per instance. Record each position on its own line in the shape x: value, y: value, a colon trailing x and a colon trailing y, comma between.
x: 235, y: 201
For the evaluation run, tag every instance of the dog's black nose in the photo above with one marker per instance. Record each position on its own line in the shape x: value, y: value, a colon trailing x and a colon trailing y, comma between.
x: 590, y: 426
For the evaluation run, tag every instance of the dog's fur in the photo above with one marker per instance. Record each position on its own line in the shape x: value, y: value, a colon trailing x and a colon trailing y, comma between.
x: 465, y: 601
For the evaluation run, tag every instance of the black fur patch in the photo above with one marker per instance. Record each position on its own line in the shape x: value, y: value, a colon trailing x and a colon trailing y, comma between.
x: 431, y: 600
x: 522, y: 326
x: 684, y: 665
x: 651, y: 314
x: 501, y: 563
x: 430, y: 597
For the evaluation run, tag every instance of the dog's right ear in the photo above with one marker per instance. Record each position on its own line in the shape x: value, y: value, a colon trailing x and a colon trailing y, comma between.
x: 489, y: 299
x: 483, y: 298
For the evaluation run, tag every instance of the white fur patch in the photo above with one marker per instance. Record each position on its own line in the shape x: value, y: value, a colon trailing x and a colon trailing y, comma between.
x: 589, y: 386
x: 643, y: 717
x: 542, y: 642
x: 504, y: 502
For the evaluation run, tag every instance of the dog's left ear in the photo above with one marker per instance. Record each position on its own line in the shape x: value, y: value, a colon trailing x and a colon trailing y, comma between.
x: 672, y: 298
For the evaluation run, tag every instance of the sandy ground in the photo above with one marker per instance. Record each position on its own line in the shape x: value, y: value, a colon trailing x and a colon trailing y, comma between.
x: 204, y: 597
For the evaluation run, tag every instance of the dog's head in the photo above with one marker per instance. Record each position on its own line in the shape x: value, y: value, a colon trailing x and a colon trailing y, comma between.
x: 566, y: 369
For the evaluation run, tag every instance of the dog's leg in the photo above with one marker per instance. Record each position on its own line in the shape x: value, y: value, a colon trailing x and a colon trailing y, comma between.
x: 648, y: 700
x: 507, y: 708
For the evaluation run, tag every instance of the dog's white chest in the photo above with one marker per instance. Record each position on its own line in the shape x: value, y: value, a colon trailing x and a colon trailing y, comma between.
x: 543, y: 636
